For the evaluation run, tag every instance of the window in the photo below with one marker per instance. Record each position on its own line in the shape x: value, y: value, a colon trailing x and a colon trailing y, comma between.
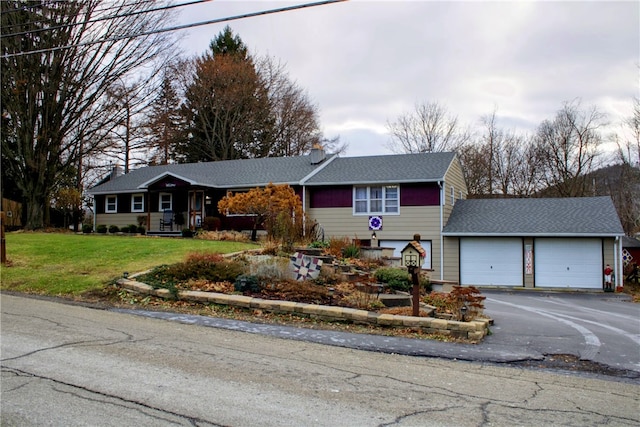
x: 380, y: 199
x: 166, y: 202
x: 111, y: 204
x: 137, y: 203
x: 453, y: 196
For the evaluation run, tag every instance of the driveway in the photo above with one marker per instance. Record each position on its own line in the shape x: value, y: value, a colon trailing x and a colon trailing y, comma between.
x: 600, y: 332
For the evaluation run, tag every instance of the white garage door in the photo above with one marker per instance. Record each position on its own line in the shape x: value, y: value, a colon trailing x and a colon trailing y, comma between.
x: 561, y: 263
x: 491, y: 261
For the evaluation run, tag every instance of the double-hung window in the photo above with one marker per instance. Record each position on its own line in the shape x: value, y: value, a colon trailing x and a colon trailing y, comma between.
x: 166, y: 202
x: 376, y: 200
x: 111, y: 204
x: 137, y: 203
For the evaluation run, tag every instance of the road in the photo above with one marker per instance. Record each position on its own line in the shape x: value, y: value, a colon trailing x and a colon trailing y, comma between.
x: 70, y: 365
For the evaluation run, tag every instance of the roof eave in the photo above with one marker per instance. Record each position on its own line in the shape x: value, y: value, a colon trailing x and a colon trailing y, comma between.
x: 157, y: 178
x: 525, y: 234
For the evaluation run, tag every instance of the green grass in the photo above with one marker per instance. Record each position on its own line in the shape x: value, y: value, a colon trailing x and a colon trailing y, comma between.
x: 65, y: 264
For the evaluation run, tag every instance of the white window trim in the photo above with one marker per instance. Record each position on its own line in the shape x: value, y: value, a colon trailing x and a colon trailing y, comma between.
x: 384, y: 199
x: 160, y: 202
x: 133, y: 196
x: 106, y: 204
x: 453, y: 196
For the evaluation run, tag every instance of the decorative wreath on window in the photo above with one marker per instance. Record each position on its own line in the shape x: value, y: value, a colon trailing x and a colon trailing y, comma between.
x: 375, y: 222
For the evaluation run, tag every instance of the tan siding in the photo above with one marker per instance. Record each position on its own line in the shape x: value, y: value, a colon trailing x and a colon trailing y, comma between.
x: 117, y: 219
x: 608, y: 246
x: 454, y: 177
x: 340, y: 222
x: 451, y: 259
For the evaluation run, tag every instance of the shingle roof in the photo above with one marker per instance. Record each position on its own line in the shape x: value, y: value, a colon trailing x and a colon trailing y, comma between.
x: 223, y: 174
x: 246, y: 173
x: 582, y: 216
x: 398, y: 168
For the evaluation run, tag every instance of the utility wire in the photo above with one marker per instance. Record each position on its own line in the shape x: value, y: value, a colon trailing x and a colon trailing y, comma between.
x: 176, y: 28
x: 104, y: 18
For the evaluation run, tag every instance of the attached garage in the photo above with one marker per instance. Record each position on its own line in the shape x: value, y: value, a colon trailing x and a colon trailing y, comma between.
x: 537, y: 242
x: 566, y: 262
x: 491, y: 261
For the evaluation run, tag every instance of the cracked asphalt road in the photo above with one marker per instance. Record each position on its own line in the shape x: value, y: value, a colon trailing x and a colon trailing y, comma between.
x: 71, y: 365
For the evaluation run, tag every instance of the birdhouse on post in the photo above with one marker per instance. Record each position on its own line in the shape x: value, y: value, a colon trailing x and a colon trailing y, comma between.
x: 413, y: 256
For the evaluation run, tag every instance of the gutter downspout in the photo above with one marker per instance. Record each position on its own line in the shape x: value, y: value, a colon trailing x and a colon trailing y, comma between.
x: 617, y: 261
x: 304, y: 210
x: 95, y: 213
x: 441, y: 184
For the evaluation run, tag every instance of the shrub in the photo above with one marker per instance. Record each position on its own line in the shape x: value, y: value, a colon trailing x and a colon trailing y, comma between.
x: 86, y: 229
x: 102, y: 229
x: 319, y: 244
x: 352, y: 250
x: 453, y: 302
x: 131, y: 228
x: 206, y: 266
x: 141, y: 220
x: 246, y: 283
x: 337, y: 245
x: 271, y: 270
x: 396, y: 278
x: 187, y: 232
x: 141, y: 229
x: 113, y: 229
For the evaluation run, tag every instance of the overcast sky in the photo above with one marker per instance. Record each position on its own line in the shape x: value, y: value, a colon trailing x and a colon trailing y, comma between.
x: 365, y: 63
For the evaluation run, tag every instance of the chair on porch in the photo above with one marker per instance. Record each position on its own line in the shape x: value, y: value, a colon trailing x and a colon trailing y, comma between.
x: 166, y: 220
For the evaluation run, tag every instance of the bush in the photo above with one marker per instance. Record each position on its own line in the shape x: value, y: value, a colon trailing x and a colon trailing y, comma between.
x: 271, y: 270
x: 141, y: 229
x: 453, y: 302
x: 131, y: 228
x: 351, y: 251
x: 113, y: 229
x: 396, y: 278
x: 337, y: 245
x: 246, y: 283
x: 187, y: 232
x: 141, y: 220
x: 205, y: 266
x: 102, y: 229
x: 87, y: 229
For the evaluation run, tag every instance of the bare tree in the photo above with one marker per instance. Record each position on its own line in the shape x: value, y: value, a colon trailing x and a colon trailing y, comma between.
x: 429, y: 128
x: 59, y: 60
x: 294, y: 116
x: 568, y: 147
x: 625, y: 187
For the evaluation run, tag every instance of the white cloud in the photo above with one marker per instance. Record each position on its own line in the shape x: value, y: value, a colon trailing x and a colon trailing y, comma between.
x: 364, y: 63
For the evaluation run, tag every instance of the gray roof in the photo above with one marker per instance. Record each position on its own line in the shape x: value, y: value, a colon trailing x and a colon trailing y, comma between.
x: 630, y: 242
x: 248, y: 173
x: 582, y: 216
x: 245, y: 173
x: 398, y: 168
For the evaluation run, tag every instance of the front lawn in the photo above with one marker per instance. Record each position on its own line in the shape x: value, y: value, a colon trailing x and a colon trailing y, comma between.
x: 69, y: 264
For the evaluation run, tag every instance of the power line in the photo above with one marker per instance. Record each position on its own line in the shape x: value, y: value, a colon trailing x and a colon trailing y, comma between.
x: 104, y: 18
x: 176, y: 28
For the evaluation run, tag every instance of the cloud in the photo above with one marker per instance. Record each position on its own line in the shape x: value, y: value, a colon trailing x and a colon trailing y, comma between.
x: 365, y: 63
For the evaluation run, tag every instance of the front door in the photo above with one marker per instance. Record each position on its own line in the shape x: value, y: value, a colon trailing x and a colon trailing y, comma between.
x: 196, y: 209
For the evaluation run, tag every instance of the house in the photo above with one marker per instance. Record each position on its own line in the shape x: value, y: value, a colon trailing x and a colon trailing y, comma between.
x: 384, y: 201
x: 541, y: 243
